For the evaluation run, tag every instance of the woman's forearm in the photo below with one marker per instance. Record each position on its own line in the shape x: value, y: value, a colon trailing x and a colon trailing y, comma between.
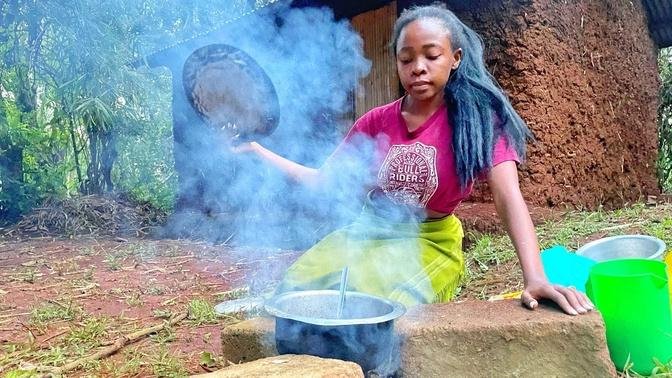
x: 514, y: 214
x: 297, y: 172
x: 520, y: 228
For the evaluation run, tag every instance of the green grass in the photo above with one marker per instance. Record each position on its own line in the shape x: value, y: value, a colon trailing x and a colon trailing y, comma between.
x: 155, y: 290
x: 486, y: 251
x: 113, y: 261
x: 491, y: 250
x: 21, y: 374
x: 662, y: 230
x: 661, y: 370
x: 90, y: 333
x: 575, y: 226
x: 201, y: 312
x: 131, y: 365
x: 236, y: 293
x: 141, y: 250
x: 49, y: 312
x: 166, y: 335
x: 27, y: 274
x: 166, y: 365
x: 54, y: 356
x: 134, y: 299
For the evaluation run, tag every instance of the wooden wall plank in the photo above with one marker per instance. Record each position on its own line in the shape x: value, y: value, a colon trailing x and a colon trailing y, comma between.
x: 381, y: 85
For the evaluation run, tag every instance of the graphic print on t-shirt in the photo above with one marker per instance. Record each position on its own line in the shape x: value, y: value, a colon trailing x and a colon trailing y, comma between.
x: 408, y: 174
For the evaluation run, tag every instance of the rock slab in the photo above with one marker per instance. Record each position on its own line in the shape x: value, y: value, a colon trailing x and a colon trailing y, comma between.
x: 471, y: 339
x: 290, y: 366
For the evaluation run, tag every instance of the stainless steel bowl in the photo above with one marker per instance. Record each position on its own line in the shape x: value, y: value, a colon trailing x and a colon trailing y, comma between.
x: 624, y: 247
x: 320, y: 306
x: 306, y: 323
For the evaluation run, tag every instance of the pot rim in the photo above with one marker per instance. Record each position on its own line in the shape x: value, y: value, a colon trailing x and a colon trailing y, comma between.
x: 660, y: 245
x: 272, y: 307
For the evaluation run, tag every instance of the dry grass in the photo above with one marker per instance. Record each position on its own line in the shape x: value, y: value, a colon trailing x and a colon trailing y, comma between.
x: 88, y: 215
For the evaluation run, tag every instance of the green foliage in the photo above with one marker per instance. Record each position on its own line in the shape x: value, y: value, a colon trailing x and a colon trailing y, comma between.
x: 166, y: 365
x: 70, y: 103
x: 21, y: 374
x: 145, y: 166
x: 665, y: 120
x: 53, y: 312
x: 75, y: 115
x: 201, y: 312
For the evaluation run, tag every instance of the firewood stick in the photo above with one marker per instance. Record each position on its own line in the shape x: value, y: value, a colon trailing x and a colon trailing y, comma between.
x: 115, y: 347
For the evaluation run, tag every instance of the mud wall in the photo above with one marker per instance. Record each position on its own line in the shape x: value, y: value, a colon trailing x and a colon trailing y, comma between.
x: 583, y: 75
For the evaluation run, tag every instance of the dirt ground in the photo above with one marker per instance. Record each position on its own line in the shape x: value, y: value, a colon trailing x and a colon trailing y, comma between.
x: 65, y: 298
x: 133, y: 283
x: 128, y: 282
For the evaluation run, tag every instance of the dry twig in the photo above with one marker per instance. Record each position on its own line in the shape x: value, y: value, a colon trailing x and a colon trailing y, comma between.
x: 115, y: 347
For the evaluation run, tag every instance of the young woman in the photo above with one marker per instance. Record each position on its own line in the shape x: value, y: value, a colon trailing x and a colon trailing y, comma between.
x: 454, y: 125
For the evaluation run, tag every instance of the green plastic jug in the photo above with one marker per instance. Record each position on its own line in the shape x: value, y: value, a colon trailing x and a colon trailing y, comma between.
x: 633, y: 297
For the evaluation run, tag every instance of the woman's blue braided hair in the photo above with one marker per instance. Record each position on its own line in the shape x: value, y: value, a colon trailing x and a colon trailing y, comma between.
x: 474, y: 100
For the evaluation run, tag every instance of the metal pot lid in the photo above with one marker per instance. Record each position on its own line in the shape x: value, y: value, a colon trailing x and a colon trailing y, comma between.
x: 231, y: 92
x: 319, y: 307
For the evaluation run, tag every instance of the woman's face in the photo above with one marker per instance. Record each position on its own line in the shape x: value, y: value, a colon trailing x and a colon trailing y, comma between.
x: 425, y: 58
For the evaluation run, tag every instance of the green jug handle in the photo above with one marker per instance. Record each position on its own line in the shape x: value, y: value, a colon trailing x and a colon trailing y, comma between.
x: 658, y: 281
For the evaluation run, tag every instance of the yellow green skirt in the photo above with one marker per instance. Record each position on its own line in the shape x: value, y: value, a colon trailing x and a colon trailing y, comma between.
x: 410, y: 262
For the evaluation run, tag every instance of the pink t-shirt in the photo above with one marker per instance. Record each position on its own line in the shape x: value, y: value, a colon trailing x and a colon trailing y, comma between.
x: 415, y: 168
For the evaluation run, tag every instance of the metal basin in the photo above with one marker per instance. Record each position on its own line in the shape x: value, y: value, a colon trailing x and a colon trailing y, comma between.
x: 624, y: 247
x: 231, y: 92
x: 306, y: 323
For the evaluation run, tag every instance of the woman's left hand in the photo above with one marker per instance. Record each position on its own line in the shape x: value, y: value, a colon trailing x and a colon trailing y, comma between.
x: 569, y: 299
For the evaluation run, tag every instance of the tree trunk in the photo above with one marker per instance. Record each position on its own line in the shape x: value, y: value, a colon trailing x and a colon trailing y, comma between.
x: 11, y: 182
x: 108, y: 157
x: 73, y: 139
x: 103, y: 150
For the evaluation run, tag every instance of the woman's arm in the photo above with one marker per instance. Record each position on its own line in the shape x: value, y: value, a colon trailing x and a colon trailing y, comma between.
x: 512, y: 210
x: 297, y: 172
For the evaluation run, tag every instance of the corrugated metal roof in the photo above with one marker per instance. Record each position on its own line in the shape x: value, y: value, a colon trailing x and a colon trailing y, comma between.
x: 659, y: 13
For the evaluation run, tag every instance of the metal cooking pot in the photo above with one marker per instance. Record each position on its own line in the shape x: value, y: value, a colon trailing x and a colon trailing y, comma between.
x: 231, y: 92
x: 306, y: 323
x: 624, y: 247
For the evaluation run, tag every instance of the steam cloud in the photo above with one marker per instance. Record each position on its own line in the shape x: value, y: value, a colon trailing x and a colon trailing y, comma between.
x: 315, y: 63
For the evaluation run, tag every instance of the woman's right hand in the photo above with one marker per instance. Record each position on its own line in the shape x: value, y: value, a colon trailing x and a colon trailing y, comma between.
x: 292, y: 169
x: 244, y: 148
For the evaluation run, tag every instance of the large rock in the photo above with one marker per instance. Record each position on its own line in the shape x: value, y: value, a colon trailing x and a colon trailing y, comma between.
x: 471, y: 339
x: 497, y: 339
x: 290, y: 366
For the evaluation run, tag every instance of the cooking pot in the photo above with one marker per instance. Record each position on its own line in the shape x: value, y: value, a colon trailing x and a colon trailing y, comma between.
x: 231, y: 92
x: 624, y: 247
x: 306, y: 323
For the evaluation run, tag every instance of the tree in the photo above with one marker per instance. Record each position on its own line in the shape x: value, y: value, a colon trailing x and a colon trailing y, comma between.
x: 69, y: 96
